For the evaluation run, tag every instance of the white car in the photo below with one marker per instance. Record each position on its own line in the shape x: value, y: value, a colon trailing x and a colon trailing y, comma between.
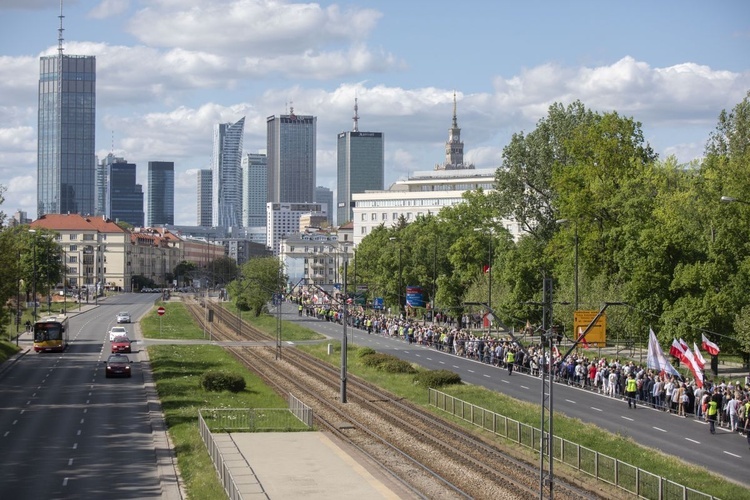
x: 123, y: 317
x: 117, y: 331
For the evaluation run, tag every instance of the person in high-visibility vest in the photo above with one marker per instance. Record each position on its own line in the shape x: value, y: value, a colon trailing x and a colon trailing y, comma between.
x: 631, y: 387
x: 712, y: 412
x: 510, y: 359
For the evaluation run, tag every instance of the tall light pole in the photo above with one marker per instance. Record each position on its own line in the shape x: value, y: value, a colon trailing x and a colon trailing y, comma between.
x: 344, y: 345
x: 400, y: 285
x: 575, y: 245
x: 33, y: 243
x: 489, y: 276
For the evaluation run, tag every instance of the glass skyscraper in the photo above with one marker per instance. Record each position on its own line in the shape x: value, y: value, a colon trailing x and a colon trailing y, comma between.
x: 124, y: 196
x: 291, y: 146
x: 227, y: 176
x: 205, y: 198
x: 160, y: 208
x: 254, y: 189
x: 360, y: 167
x: 66, y: 161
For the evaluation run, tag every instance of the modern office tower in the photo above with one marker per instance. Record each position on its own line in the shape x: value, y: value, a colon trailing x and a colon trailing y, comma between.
x: 454, y: 148
x: 360, y: 166
x: 124, y: 201
x: 324, y: 196
x: 160, y: 193
x: 100, y: 186
x: 254, y: 189
x: 227, y: 181
x: 291, y: 147
x: 205, y: 198
x: 66, y: 158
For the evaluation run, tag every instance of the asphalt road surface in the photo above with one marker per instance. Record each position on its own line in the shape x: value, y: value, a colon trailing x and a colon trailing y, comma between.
x: 66, y: 431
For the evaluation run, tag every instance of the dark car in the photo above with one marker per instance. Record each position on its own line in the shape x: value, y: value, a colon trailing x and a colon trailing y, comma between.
x: 117, y: 365
x: 121, y: 344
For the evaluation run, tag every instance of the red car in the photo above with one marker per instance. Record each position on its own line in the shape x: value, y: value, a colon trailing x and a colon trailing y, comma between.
x: 121, y: 344
x: 117, y: 365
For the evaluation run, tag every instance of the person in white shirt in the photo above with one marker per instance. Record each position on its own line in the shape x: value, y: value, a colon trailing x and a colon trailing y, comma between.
x: 732, y: 407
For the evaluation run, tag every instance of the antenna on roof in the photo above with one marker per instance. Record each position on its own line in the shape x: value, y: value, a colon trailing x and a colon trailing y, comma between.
x: 112, y: 149
x: 356, y: 116
x: 60, y: 32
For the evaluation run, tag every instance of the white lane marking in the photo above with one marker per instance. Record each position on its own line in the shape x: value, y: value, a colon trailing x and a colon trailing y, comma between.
x: 82, y: 420
x: 65, y: 482
x: 487, y: 376
x: 732, y: 454
x: 75, y: 446
x: 596, y: 409
x: 626, y: 418
x: 658, y: 429
x: 693, y: 441
x: 570, y: 401
x: 78, y: 433
x: 470, y: 371
x: 6, y: 433
x: 504, y: 381
x: 429, y: 359
x: 15, y: 422
x: 441, y: 362
x: 418, y: 355
x: 70, y: 462
x: 455, y: 366
x: 524, y: 387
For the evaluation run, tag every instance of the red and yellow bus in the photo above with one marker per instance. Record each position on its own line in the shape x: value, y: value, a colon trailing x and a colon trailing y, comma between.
x: 51, y: 333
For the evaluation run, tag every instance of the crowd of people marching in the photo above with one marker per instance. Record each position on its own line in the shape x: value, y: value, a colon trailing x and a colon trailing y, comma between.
x: 720, y: 403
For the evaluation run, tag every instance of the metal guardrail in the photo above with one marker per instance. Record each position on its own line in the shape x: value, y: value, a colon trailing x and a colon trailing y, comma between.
x: 298, y: 417
x: 604, y: 468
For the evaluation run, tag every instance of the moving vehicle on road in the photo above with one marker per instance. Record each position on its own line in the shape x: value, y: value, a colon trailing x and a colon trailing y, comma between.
x: 121, y: 344
x: 117, y: 331
x: 123, y: 317
x: 117, y: 365
x: 51, y: 333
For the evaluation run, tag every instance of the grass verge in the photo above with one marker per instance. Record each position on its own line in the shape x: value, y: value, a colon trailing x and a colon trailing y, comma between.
x: 7, y: 350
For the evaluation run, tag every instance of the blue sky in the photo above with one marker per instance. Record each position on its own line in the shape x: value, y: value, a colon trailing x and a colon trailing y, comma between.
x: 168, y: 70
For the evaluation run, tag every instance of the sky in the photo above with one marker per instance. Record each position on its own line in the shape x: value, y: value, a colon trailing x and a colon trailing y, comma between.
x: 169, y: 70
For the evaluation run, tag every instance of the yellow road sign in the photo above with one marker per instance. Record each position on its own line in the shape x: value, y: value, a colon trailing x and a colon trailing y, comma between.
x: 597, y: 334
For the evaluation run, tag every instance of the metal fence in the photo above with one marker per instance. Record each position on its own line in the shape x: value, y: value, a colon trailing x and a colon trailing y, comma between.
x: 604, y: 468
x: 298, y: 417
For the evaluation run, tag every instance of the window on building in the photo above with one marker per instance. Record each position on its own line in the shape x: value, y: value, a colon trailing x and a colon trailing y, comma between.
x: 364, y: 216
x: 374, y: 216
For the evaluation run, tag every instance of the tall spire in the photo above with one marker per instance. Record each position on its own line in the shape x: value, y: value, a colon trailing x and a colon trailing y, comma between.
x: 60, y: 32
x: 356, y: 116
x: 455, y: 120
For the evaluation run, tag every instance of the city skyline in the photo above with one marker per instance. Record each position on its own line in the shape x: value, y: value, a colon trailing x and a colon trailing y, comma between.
x: 160, y: 91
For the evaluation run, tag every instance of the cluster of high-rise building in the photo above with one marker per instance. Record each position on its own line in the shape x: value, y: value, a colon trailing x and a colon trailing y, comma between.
x: 259, y: 198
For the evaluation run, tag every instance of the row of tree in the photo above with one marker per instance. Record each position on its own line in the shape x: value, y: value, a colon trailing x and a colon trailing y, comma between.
x: 597, y: 204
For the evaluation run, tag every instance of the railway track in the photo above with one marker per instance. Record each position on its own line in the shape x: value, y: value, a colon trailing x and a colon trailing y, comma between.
x: 433, y: 457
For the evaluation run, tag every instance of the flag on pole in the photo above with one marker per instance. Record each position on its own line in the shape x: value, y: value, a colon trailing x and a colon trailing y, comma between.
x: 656, y: 360
x: 698, y: 356
x: 692, y: 364
x: 709, y: 346
x: 676, y: 350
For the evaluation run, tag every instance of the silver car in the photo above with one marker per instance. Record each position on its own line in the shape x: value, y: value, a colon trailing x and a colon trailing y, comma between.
x: 123, y: 317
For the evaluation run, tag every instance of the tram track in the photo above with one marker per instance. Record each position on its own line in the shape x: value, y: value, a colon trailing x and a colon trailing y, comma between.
x: 435, y: 458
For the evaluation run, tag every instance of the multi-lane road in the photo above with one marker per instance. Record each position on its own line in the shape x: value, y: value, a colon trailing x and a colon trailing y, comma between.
x: 66, y: 431
x: 724, y: 453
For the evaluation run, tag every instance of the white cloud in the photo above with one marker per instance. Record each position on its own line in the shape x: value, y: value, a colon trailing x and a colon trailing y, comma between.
x: 109, y: 8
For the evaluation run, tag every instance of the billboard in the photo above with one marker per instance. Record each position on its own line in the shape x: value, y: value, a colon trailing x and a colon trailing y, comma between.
x: 414, y: 296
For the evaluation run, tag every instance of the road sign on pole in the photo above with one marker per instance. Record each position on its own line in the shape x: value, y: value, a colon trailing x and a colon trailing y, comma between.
x: 161, y: 311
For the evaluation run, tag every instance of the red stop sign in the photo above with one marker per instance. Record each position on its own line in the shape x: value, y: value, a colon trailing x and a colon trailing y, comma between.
x: 161, y: 311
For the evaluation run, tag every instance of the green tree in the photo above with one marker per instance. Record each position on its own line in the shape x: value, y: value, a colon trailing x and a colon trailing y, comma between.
x: 260, y: 279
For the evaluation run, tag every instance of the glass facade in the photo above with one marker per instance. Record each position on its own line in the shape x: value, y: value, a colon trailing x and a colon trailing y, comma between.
x: 227, y: 174
x: 205, y: 198
x: 360, y: 167
x: 124, y: 196
x: 254, y: 189
x: 66, y: 161
x: 291, y: 146
x: 160, y: 209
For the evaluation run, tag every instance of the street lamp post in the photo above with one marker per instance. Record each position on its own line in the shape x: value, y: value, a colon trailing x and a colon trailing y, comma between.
x: 400, y: 284
x: 575, y: 244
x: 489, y: 277
x: 33, y: 243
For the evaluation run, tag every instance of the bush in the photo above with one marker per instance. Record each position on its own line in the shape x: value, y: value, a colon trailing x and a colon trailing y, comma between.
x: 376, y: 359
x: 397, y: 366
x: 218, y: 381
x: 437, y: 378
x: 363, y: 352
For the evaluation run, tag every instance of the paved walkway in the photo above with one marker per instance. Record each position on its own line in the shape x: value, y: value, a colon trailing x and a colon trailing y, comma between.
x: 303, y: 465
